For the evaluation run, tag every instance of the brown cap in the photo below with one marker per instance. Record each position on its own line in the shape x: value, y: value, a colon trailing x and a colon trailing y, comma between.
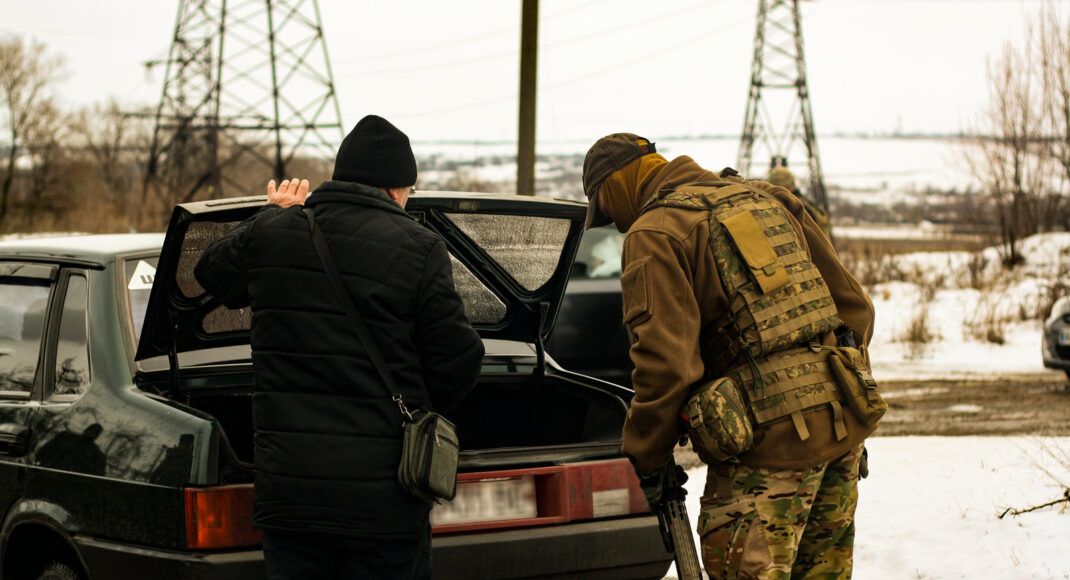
x: 782, y: 176
x: 607, y: 156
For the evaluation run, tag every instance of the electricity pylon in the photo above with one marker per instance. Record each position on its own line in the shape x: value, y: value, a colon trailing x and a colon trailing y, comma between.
x: 248, y: 88
x: 779, y: 68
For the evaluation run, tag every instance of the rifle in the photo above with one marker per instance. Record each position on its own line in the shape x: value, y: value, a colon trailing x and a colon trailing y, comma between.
x: 676, y: 527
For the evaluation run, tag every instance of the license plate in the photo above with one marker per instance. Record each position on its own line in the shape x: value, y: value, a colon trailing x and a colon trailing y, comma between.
x: 495, y: 500
x: 1064, y: 337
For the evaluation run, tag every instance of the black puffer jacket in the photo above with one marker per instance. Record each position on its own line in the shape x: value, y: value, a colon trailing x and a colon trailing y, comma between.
x: 328, y: 435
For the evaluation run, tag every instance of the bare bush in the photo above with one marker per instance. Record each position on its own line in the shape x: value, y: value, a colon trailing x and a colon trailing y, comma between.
x: 975, y: 270
x: 918, y: 333
x: 1052, y: 459
x: 870, y: 267
x: 918, y: 330
x: 988, y: 324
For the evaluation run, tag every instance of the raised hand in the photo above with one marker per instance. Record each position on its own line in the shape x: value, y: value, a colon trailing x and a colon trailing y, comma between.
x: 290, y: 192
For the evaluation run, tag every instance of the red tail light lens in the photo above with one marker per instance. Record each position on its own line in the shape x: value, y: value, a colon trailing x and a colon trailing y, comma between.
x: 220, y: 517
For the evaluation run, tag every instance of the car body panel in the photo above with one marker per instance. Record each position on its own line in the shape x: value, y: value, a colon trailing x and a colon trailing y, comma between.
x: 618, y: 548
x: 1055, y: 343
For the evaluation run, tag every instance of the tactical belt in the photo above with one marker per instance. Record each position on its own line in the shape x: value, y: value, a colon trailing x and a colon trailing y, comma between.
x: 790, y: 383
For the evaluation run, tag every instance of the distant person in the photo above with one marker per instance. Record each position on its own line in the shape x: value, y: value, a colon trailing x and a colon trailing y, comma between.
x: 730, y: 282
x: 781, y: 176
x: 327, y: 434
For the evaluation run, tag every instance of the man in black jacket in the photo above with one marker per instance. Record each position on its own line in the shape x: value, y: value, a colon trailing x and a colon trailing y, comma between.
x: 328, y: 435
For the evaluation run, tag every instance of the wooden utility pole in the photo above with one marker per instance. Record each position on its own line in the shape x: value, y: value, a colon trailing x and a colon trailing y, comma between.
x: 529, y: 50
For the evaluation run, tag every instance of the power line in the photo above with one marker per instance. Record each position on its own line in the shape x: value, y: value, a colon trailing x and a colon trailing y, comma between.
x: 465, y: 39
x: 513, y: 53
x: 602, y: 71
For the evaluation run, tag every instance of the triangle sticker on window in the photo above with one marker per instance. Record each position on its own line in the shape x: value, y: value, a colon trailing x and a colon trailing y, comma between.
x: 143, y: 276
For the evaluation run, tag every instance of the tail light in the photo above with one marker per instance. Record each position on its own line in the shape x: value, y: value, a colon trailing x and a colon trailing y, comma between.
x: 540, y: 496
x: 220, y: 517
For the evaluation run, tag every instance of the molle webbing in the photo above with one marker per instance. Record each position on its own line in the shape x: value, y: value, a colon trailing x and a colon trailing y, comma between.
x: 777, y: 297
x: 791, y: 382
x: 777, y: 318
x: 777, y: 300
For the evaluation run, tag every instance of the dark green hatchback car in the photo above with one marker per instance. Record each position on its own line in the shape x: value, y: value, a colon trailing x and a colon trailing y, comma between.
x: 126, y: 427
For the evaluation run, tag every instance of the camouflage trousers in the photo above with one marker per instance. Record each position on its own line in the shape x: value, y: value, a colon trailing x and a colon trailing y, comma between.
x: 764, y: 523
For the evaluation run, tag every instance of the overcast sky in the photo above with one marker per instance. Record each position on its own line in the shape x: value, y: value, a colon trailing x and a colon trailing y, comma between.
x: 448, y: 70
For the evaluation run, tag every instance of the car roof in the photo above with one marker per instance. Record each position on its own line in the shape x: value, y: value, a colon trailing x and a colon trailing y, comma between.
x: 100, y: 248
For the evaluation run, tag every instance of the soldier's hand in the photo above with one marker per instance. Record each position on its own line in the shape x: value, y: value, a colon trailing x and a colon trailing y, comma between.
x: 663, y: 484
x: 290, y: 192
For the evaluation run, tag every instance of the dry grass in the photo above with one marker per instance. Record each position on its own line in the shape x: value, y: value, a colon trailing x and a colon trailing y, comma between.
x: 975, y: 271
x: 893, y: 247
x: 988, y: 324
x: 918, y: 334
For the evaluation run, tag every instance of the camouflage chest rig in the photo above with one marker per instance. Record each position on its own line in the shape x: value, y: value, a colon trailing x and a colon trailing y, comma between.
x: 779, y: 307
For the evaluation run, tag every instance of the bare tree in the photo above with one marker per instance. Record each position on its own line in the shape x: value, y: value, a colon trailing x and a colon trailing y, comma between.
x: 1021, y: 163
x: 47, y: 157
x: 1053, y: 48
x: 25, y: 75
x: 105, y: 133
x: 114, y: 145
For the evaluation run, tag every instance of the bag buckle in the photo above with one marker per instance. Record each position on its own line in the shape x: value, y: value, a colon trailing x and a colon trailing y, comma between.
x: 404, y: 410
x: 866, y: 377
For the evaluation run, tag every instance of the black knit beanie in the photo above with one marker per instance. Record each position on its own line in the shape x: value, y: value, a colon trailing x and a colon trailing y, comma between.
x: 376, y: 153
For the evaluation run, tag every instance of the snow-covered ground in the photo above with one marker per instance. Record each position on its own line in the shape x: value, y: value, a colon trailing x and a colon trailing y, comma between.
x: 930, y: 508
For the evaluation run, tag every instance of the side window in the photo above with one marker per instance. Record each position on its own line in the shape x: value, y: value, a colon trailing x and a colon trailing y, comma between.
x: 72, y: 349
x: 23, y: 305
x: 139, y: 274
x: 599, y: 254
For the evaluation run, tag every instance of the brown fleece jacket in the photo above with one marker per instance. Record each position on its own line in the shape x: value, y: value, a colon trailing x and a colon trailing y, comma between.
x: 672, y: 289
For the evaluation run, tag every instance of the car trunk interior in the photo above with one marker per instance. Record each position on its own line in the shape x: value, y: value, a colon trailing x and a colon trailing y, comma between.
x: 528, y: 412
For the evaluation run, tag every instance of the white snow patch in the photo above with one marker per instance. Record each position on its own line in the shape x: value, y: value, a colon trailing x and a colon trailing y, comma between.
x: 930, y: 508
x: 938, y: 286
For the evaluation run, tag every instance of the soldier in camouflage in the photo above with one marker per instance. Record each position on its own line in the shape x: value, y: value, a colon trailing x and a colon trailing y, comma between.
x: 783, y: 177
x: 730, y: 288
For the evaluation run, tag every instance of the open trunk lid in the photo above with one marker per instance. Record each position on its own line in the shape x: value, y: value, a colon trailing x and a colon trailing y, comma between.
x: 511, y: 258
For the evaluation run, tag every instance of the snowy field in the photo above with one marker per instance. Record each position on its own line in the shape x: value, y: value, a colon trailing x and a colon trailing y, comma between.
x: 859, y: 170
x: 940, y: 286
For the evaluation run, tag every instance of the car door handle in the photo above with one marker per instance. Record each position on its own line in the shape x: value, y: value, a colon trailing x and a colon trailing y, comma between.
x: 14, y: 439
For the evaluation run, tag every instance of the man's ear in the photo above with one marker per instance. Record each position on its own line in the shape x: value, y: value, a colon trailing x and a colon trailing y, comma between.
x: 393, y: 193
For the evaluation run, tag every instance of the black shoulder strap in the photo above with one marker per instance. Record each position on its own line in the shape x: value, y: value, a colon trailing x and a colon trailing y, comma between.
x: 350, y: 308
